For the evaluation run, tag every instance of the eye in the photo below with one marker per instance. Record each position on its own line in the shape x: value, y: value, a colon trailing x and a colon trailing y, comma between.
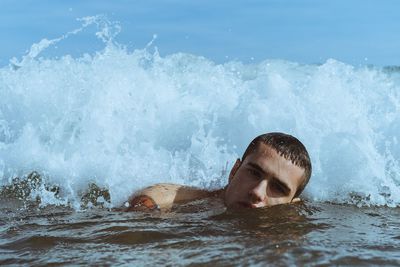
x: 277, y: 188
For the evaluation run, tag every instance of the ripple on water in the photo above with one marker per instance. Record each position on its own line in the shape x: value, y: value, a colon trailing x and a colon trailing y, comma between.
x: 300, y: 234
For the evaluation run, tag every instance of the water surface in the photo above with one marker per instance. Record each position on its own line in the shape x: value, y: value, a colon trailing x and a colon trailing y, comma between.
x: 298, y: 234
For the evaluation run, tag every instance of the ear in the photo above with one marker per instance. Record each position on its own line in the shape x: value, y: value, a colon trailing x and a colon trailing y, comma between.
x: 234, y: 169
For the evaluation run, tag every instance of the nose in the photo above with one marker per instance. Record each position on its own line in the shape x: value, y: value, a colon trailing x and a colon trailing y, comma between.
x: 259, y: 192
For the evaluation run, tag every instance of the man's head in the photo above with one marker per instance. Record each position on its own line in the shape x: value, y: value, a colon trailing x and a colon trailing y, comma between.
x: 274, y: 169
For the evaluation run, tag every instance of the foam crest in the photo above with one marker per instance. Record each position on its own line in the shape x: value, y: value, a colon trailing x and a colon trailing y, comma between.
x: 126, y: 119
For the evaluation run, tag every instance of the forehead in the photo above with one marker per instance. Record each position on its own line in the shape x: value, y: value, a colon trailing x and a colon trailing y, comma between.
x: 273, y: 163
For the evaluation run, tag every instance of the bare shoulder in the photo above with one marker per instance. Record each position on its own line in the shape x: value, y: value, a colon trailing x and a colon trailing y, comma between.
x: 164, y: 195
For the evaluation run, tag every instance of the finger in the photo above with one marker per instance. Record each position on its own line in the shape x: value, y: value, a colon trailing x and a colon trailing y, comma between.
x: 296, y: 199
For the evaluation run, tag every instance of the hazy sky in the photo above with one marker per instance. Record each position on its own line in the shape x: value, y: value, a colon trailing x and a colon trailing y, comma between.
x: 306, y: 31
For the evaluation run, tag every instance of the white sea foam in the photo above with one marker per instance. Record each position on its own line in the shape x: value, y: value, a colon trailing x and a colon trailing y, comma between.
x: 127, y: 119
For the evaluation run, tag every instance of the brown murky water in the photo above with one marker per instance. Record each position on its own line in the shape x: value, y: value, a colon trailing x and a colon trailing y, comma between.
x: 202, y: 234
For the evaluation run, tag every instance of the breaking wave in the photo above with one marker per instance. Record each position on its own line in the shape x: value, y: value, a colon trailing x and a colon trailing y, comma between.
x: 125, y: 119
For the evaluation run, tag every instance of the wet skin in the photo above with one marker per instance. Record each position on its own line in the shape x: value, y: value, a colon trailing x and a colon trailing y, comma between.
x: 264, y: 178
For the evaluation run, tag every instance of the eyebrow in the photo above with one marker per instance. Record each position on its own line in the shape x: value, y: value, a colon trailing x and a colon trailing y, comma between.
x: 280, y: 183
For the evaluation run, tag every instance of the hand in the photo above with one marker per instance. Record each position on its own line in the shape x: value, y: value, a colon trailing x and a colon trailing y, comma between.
x: 296, y: 199
x: 142, y: 203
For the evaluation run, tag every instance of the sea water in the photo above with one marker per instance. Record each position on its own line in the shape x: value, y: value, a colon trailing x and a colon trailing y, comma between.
x: 125, y: 118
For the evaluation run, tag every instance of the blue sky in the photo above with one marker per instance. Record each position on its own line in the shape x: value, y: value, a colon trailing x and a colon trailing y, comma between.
x: 306, y: 31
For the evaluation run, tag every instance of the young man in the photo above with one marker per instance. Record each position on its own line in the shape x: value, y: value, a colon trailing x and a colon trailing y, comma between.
x: 275, y: 168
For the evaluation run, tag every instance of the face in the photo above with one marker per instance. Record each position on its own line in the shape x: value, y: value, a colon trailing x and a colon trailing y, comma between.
x: 263, y: 179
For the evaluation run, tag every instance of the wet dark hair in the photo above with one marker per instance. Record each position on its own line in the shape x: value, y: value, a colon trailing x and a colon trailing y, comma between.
x: 290, y: 148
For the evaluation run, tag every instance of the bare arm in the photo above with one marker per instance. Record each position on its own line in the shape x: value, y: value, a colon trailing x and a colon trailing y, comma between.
x: 163, y: 196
